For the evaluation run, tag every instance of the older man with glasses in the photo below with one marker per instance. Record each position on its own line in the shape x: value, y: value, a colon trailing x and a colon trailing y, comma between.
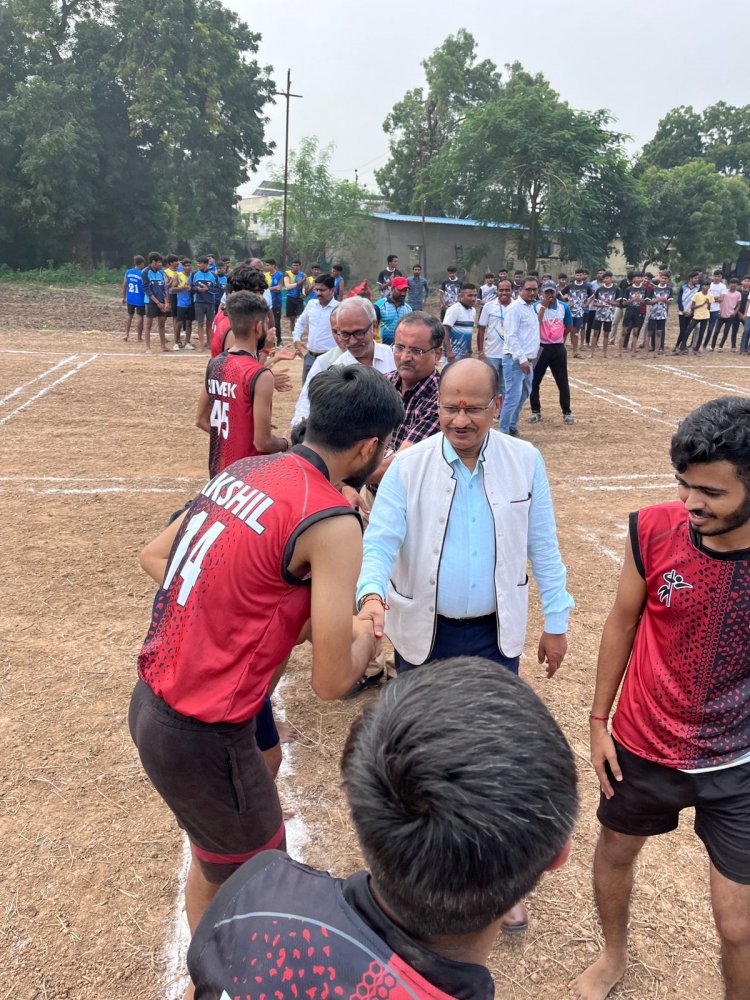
x: 456, y: 520
x: 355, y: 318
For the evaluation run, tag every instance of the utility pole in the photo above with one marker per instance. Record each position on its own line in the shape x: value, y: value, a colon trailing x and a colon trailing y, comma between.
x: 421, y: 206
x: 286, y: 94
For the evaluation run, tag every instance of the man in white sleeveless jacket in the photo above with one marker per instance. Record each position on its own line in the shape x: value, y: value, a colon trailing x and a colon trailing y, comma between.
x: 456, y: 520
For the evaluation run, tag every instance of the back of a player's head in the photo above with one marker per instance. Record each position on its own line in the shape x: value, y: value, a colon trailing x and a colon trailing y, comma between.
x: 244, y: 310
x: 350, y: 403
x: 138, y: 261
x: 247, y: 279
x: 462, y: 790
x: 718, y: 431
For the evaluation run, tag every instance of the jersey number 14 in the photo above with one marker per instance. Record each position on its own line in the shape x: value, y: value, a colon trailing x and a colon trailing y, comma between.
x: 189, y: 563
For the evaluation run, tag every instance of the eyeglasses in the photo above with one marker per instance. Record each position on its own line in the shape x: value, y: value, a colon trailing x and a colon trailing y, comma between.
x: 356, y: 334
x: 470, y: 411
x: 416, y: 352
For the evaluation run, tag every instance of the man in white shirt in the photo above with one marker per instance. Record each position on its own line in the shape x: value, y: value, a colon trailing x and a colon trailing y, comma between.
x: 717, y: 289
x: 491, y: 331
x: 355, y: 318
x: 315, y: 321
x: 521, y: 349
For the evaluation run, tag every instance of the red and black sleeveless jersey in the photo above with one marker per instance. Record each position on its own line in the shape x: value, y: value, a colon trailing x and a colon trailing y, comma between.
x: 230, y: 384
x: 685, y: 700
x: 281, y: 931
x: 219, y: 330
x: 229, y: 611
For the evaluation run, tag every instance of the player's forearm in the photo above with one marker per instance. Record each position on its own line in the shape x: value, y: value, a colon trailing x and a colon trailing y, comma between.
x: 336, y: 685
x: 614, y: 654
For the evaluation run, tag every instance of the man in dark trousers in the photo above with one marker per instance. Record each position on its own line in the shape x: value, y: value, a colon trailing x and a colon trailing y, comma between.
x: 555, y: 321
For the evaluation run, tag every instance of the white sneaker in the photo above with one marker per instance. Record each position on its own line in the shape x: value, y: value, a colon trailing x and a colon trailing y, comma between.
x: 189, y: 347
x: 177, y: 347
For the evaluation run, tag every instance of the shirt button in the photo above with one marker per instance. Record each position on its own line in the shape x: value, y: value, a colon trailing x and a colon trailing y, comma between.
x: 431, y: 608
x: 436, y: 552
x: 432, y: 579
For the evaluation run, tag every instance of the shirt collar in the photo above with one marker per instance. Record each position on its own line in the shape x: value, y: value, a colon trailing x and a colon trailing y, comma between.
x: 451, y: 456
x: 398, y: 382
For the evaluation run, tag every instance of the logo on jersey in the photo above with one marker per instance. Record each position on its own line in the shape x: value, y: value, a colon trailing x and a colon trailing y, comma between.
x: 672, y: 581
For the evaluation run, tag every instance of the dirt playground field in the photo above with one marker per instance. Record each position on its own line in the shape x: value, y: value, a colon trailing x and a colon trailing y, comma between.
x: 98, y: 448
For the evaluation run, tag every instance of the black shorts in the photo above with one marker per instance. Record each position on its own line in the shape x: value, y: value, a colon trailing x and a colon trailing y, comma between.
x: 136, y: 310
x: 214, y: 779
x: 172, y: 304
x: 650, y: 797
x: 266, y: 733
x: 152, y: 311
x: 185, y: 313
x: 599, y: 323
x: 633, y: 319
x: 294, y: 306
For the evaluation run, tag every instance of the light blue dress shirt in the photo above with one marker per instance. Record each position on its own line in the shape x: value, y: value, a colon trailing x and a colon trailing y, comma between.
x: 466, y: 581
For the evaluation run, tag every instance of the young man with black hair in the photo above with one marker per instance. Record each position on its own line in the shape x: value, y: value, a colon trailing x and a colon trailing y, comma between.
x: 315, y: 321
x: 172, y: 267
x: 234, y: 408
x: 132, y: 296
x: 555, y: 322
x: 275, y: 284
x: 155, y: 293
x: 676, y: 644
x: 604, y: 298
x: 459, y: 322
x: 632, y: 300
x: 202, y: 284
x: 267, y: 546
x: 684, y: 309
x: 657, y: 320
x: 447, y: 856
x: 389, y: 272
x: 449, y: 290
x: 579, y: 292
x: 294, y: 281
x: 339, y: 287
x: 184, y: 299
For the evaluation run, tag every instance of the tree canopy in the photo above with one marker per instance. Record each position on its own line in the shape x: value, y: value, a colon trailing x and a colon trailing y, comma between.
x: 325, y: 216
x: 124, y: 126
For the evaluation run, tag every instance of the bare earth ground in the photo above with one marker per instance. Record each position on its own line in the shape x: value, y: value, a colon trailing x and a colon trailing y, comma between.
x: 96, y: 453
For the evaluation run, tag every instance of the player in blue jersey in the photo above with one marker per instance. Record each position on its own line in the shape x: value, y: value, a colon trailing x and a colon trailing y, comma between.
x: 132, y: 296
x: 157, y: 303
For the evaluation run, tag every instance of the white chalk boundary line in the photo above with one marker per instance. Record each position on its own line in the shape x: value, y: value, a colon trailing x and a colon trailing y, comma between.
x: 93, y: 491
x: 618, y: 476
x: 37, y: 378
x: 618, y: 488
x: 102, y: 479
x: 195, y: 355
x: 596, y: 544
x: 48, y: 388
x: 622, y: 402
x: 695, y: 377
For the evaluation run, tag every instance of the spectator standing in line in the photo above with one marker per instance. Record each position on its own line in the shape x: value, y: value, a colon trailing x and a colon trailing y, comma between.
x: 491, y: 330
x: 579, y: 292
x: 294, y: 281
x: 275, y: 284
x: 622, y: 287
x: 315, y: 321
x: 389, y: 272
x: 633, y: 317
x: 744, y: 315
x: 488, y: 290
x: 392, y: 309
x: 418, y: 289
x: 155, y: 293
x: 339, y: 285
x: 521, y: 349
x: 132, y: 296
x: 449, y: 290
x: 700, y: 307
x: 717, y: 289
x: 518, y: 277
x: 657, y: 320
x: 684, y: 309
x: 309, y: 286
x: 730, y: 303
x: 202, y: 284
x: 554, y: 321
x: 604, y: 299
x: 458, y: 323
x: 184, y: 313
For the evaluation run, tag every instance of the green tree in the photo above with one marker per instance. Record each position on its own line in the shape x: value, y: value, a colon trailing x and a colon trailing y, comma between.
x: 124, y: 125
x: 527, y: 157
x: 423, y: 123
x: 694, y: 214
x: 325, y: 216
x: 720, y: 135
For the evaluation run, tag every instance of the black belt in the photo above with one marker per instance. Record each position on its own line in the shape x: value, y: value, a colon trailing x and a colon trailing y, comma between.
x: 319, y: 354
x: 481, y: 620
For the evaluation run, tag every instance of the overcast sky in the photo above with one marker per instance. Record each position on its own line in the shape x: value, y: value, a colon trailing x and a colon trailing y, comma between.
x: 638, y: 61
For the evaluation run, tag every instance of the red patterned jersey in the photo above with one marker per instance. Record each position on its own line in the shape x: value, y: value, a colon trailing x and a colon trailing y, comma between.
x: 685, y: 700
x: 281, y: 931
x: 229, y: 611
x: 230, y: 384
x: 219, y: 330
